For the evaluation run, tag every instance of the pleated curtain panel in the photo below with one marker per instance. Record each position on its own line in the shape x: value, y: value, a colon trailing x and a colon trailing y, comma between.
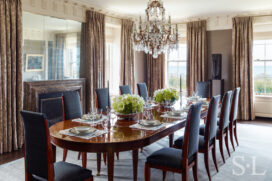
x: 242, y: 44
x: 93, y: 55
x: 11, y: 128
x: 196, y: 54
x: 155, y: 73
x: 127, y: 55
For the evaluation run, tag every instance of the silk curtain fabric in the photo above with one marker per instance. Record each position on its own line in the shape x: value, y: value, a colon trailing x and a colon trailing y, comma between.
x: 196, y: 53
x: 127, y: 55
x: 242, y: 43
x: 11, y: 128
x: 93, y: 55
x: 155, y: 73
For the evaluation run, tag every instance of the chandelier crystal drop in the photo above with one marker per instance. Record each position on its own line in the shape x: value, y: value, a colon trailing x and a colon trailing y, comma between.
x: 155, y: 35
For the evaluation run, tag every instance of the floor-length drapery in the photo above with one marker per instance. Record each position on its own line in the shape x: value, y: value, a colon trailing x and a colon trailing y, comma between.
x: 242, y: 44
x: 196, y: 53
x: 127, y: 54
x: 11, y: 129
x: 155, y: 73
x: 93, y: 54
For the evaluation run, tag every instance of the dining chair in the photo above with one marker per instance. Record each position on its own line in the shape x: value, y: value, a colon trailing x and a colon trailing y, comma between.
x: 53, y: 109
x: 179, y: 160
x: 208, y: 141
x: 233, y: 116
x: 39, y: 154
x: 103, y: 98
x: 125, y: 89
x: 203, y: 89
x: 72, y: 110
x: 223, y: 125
x: 142, y: 90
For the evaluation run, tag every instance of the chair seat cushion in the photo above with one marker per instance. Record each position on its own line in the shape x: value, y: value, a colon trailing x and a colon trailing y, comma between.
x: 179, y: 142
x: 70, y: 172
x: 67, y: 172
x: 166, y: 157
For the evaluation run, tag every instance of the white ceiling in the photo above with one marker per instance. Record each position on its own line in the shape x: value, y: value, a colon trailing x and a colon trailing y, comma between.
x: 183, y: 9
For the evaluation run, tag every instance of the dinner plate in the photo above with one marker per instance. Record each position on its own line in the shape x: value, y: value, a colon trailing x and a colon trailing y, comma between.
x: 87, y: 117
x: 82, y: 130
x: 150, y: 123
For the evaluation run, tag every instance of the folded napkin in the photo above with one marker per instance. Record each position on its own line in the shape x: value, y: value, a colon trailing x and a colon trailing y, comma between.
x: 150, y: 128
x: 90, y: 122
x: 85, y: 136
x: 182, y: 116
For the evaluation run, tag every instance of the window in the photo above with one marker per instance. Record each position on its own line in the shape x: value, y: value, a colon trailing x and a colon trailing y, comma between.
x: 176, y: 67
x: 51, y: 48
x: 113, y: 51
x: 262, y: 67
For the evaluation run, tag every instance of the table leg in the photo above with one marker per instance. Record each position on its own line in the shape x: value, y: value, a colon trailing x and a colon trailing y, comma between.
x: 98, y: 156
x: 135, y: 164
x: 110, y: 165
x: 84, y: 159
x: 171, y: 138
x: 54, y: 152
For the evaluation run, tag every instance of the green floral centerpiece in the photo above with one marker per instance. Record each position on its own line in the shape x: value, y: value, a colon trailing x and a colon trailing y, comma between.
x: 166, y: 97
x: 127, y: 106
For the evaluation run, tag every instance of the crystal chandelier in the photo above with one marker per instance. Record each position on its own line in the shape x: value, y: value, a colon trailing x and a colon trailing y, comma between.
x: 155, y: 35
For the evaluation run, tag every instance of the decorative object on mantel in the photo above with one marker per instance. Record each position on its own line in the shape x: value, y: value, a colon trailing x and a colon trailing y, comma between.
x: 155, y: 35
x: 128, y: 106
x: 166, y: 97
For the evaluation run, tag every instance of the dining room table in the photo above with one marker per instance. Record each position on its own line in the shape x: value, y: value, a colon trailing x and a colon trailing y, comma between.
x: 120, y: 135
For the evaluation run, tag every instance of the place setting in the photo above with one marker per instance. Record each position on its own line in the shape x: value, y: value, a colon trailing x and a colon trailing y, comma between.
x: 92, y: 118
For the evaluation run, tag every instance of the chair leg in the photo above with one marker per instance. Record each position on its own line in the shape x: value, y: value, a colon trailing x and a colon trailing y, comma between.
x: 227, y: 142
x: 231, y: 136
x: 221, y: 148
x: 185, y: 175
x: 206, y: 160
x: 105, y: 158
x: 163, y: 175
x: 117, y: 155
x: 195, y: 169
x: 235, y: 132
x: 64, y: 155
x: 84, y: 159
x: 79, y: 154
x: 214, y: 157
x: 147, y: 172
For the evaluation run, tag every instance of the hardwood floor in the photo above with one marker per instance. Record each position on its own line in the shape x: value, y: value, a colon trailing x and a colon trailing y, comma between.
x: 8, y: 157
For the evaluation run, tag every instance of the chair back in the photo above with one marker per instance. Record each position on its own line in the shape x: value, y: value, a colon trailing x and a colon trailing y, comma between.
x: 225, y: 111
x: 103, y: 98
x: 203, y: 89
x: 72, y: 105
x: 211, y: 123
x: 191, y: 134
x: 125, y: 89
x: 142, y: 90
x: 38, y: 152
x: 234, y: 104
x: 53, y: 110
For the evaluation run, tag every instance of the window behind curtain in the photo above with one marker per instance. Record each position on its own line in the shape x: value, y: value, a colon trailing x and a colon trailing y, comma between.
x: 51, y: 48
x: 113, y: 41
x: 262, y: 66
x: 176, y: 66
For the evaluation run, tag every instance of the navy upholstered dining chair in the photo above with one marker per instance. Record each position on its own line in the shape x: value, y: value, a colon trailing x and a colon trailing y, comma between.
x: 103, y: 98
x: 233, y: 116
x: 208, y: 141
x: 179, y: 160
x: 125, y: 89
x: 39, y: 157
x: 72, y: 105
x: 203, y: 89
x: 53, y: 109
x: 142, y: 90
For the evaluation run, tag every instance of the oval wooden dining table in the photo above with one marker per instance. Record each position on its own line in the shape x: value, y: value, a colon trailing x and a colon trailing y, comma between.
x: 119, y: 137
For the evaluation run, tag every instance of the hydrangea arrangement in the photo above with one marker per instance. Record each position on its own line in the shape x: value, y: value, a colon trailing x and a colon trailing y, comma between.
x: 128, y: 104
x: 163, y: 95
